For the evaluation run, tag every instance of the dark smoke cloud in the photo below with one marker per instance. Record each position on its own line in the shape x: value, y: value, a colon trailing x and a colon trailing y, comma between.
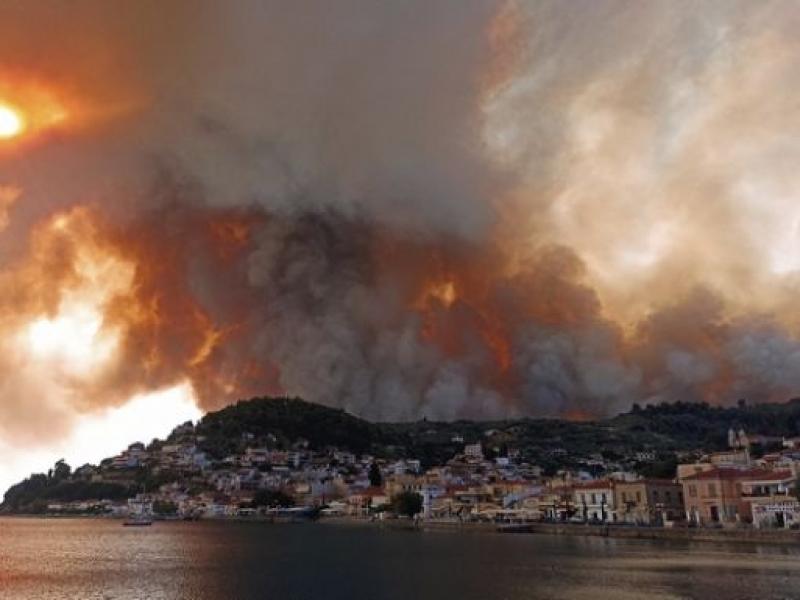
x: 451, y: 209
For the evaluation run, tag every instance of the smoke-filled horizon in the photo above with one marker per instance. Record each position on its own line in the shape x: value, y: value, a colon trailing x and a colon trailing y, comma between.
x: 441, y: 209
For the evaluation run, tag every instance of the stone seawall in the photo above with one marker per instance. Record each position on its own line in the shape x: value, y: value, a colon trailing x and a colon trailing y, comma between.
x: 758, y: 536
x: 743, y: 535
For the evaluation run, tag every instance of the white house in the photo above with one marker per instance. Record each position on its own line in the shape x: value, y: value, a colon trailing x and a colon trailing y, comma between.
x: 594, y: 500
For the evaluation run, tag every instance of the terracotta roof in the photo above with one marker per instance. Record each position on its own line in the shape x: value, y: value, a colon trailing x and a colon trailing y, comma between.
x: 743, y: 474
x: 648, y: 482
x: 773, y: 476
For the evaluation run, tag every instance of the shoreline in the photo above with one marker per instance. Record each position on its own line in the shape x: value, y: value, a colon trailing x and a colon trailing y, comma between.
x: 682, y: 534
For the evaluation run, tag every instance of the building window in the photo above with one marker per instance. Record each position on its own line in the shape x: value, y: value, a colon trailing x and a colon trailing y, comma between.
x: 712, y: 490
x: 693, y: 491
x: 624, y: 497
x: 638, y: 496
x: 594, y: 499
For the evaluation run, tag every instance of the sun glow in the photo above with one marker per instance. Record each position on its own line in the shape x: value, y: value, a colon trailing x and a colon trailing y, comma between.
x: 30, y: 108
x: 11, y: 122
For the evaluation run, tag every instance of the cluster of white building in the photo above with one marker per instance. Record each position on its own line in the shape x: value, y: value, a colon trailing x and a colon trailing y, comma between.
x: 723, y: 488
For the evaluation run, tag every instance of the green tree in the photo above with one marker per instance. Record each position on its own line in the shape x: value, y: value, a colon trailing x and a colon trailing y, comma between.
x: 664, y: 467
x: 375, y: 477
x: 61, y: 470
x: 407, y: 504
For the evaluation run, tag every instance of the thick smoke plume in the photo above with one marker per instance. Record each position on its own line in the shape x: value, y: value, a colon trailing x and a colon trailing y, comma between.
x: 440, y: 209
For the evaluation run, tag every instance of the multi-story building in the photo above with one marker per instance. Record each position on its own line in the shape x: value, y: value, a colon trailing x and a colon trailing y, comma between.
x: 556, y: 504
x: 714, y: 496
x: 772, y: 499
x: 725, y: 494
x: 594, y: 500
x: 649, y: 501
x: 782, y: 511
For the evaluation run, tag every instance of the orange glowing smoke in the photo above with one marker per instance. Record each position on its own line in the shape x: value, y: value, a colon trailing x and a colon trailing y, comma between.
x: 341, y: 307
x: 435, y: 303
x: 9, y: 195
x: 444, y: 292
x: 173, y: 332
x: 230, y: 234
x: 57, y: 299
x: 107, y: 314
x: 459, y: 318
x: 30, y: 108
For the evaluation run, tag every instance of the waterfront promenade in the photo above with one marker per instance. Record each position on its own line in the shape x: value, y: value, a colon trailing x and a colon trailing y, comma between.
x: 746, y: 535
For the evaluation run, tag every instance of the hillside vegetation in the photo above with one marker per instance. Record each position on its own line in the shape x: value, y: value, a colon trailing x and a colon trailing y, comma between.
x: 664, y: 428
x: 666, y: 431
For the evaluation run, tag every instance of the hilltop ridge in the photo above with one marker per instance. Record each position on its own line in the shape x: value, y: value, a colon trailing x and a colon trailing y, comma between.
x: 665, y: 433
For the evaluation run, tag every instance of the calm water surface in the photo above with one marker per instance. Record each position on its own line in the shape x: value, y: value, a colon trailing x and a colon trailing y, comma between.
x: 95, y: 559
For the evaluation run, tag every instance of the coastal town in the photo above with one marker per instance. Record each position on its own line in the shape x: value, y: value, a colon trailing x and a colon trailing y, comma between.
x: 742, y: 486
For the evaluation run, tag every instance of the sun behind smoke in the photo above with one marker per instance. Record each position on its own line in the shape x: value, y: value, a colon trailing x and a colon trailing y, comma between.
x: 29, y: 108
x: 11, y: 122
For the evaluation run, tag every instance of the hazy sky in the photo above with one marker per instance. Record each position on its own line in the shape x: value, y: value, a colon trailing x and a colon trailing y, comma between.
x: 440, y: 208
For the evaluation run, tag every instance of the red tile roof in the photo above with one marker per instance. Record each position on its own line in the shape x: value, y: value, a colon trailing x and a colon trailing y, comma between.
x: 741, y: 474
x: 648, y: 482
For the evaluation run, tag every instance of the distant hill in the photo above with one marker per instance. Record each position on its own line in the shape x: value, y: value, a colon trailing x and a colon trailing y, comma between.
x: 664, y: 431
x: 698, y: 424
x: 664, y: 428
x: 286, y: 420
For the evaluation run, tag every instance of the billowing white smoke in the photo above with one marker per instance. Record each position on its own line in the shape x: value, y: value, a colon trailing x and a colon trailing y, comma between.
x: 600, y: 211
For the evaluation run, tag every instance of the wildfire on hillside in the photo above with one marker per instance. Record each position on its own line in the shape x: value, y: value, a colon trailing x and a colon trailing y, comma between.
x: 392, y: 221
